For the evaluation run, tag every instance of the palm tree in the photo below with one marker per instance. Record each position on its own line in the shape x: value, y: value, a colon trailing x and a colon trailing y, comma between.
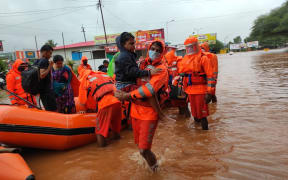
x: 51, y: 43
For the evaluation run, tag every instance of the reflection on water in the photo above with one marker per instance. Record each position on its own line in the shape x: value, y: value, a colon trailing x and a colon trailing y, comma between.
x: 247, y: 137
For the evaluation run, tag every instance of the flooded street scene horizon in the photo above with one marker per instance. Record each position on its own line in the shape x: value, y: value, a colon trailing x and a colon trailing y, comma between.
x: 247, y: 138
x: 144, y: 90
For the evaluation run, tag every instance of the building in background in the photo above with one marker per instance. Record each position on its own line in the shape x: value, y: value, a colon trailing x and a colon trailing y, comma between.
x: 95, y: 53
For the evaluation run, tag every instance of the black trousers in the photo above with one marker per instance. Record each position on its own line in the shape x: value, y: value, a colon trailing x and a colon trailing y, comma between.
x: 48, y: 100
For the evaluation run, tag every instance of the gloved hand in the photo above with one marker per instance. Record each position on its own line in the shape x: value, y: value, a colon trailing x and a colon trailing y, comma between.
x: 208, y: 98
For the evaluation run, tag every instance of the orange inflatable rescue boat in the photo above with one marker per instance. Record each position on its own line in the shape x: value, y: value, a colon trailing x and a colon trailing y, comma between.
x: 29, y: 127
x: 13, y: 166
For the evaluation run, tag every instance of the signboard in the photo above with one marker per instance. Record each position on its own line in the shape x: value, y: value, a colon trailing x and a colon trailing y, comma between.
x: 210, y: 38
x: 114, y: 48
x: 19, y: 54
x: 30, y: 54
x: 234, y: 46
x: 143, y: 38
x: 1, y: 46
x: 149, y: 36
x: 101, y: 39
x: 253, y: 44
x: 244, y: 45
x: 111, y: 49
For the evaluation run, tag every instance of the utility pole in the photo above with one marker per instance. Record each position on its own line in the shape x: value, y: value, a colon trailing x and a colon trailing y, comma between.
x: 167, y: 27
x: 100, y: 6
x: 83, y: 30
x: 36, y: 46
x: 64, y: 45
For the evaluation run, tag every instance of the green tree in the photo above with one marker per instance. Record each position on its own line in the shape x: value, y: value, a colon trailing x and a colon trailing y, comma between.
x: 216, y: 47
x: 271, y: 30
x: 237, y: 39
x: 51, y: 43
x: 3, y: 65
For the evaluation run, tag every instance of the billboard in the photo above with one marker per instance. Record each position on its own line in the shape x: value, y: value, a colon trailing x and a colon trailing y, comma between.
x: 253, y: 44
x: 149, y: 36
x: 1, y: 46
x: 143, y: 38
x: 101, y: 39
x: 30, y: 54
x: 210, y: 38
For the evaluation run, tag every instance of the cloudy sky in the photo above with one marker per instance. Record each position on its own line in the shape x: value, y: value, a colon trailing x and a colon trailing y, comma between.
x: 22, y: 20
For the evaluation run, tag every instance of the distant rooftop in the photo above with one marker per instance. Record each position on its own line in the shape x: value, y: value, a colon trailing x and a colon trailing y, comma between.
x: 76, y: 45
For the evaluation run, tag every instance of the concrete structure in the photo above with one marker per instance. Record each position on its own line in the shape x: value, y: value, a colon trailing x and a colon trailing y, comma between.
x: 95, y: 53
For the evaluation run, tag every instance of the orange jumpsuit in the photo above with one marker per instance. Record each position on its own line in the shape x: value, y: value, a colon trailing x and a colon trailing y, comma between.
x: 144, y: 117
x: 96, y: 93
x: 82, y: 66
x: 214, y: 60
x: 14, y: 85
x: 171, y: 60
x: 198, y: 81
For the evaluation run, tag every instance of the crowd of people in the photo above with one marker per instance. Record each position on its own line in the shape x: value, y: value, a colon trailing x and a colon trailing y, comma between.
x: 133, y: 92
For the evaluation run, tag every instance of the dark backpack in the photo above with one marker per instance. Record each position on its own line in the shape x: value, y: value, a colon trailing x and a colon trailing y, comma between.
x: 30, y: 80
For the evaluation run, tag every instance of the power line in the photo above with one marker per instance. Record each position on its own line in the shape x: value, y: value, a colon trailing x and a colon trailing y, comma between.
x: 36, y: 20
x: 45, y: 10
x: 117, y: 17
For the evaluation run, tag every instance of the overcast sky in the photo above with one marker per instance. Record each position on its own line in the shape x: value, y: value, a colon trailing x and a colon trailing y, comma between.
x: 21, y: 20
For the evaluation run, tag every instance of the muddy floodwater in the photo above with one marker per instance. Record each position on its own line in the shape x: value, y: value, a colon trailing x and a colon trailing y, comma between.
x: 248, y: 136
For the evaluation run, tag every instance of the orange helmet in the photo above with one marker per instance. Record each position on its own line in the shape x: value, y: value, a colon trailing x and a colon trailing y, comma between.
x: 205, y: 46
x: 190, y: 40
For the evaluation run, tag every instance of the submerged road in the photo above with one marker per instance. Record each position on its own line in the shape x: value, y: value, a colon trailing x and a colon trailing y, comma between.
x: 248, y: 136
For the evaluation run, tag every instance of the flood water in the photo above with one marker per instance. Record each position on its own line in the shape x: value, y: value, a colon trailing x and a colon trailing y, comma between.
x: 248, y: 136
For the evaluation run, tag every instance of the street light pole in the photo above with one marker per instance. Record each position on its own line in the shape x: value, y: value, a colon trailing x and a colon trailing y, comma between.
x: 167, y: 27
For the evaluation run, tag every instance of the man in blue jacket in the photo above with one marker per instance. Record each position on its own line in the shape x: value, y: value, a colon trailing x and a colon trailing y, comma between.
x: 126, y: 68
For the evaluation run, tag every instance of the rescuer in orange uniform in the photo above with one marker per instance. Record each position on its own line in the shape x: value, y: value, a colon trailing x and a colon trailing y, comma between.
x: 14, y: 85
x: 171, y: 59
x: 84, y: 65
x: 96, y: 94
x: 214, y: 59
x: 199, y: 81
x: 144, y: 116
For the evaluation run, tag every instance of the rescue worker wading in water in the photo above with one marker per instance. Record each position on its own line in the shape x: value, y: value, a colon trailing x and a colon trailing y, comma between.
x: 96, y: 95
x: 144, y: 117
x: 214, y: 60
x: 199, y: 81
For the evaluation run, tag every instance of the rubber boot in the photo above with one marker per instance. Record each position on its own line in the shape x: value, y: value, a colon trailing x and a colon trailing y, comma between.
x: 181, y: 110
x: 214, y: 99
x: 197, y: 120
x: 187, y: 112
x: 204, y: 123
x: 101, y: 140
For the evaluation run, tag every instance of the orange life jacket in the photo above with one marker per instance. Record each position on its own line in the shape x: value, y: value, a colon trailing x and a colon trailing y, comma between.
x: 198, y: 71
x: 99, y: 85
x: 162, y: 96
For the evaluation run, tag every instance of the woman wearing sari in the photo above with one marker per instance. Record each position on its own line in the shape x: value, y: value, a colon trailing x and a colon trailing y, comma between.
x: 62, y: 86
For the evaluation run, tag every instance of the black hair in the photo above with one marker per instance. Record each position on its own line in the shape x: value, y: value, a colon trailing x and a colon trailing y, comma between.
x: 46, y: 47
x: 105, y: 61
x: 57, y: 58
x: 124, y: 37
x: 157, y: 43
